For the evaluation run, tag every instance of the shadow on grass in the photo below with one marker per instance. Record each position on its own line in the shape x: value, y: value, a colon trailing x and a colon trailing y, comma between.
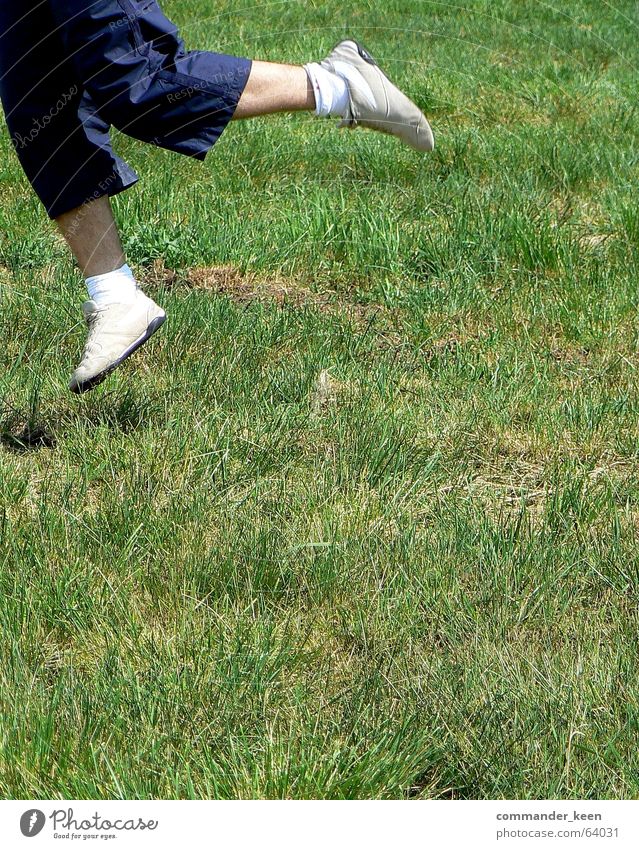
x: 26, y: 438
x: 27, y: 430
x: 127, y: 411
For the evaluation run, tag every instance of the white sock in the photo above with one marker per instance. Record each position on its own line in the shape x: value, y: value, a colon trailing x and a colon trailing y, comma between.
x: 331, y: 91
x: 115, y: 287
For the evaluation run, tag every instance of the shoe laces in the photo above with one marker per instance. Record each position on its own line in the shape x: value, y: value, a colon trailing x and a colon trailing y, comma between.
x: 94, y: 319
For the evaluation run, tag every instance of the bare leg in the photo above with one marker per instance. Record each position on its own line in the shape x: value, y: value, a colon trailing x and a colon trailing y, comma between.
x: 92, y: 234
x: 275, y: 88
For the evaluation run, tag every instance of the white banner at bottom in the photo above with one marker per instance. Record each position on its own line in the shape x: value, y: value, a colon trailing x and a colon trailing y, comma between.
x: 331, y: 824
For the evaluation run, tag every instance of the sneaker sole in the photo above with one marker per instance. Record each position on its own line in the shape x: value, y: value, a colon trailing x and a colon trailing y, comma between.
x: 81, y: 388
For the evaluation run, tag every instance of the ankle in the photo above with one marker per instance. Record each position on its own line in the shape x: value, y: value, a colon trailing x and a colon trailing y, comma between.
x: 114, y: 287
x: 331, y: 91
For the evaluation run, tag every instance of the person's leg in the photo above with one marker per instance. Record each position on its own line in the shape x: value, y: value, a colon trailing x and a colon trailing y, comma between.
x: 63, y: 145
x: 92, y: 234
x: 119, y: 315
x: 275, y: 88
x: 134, y: 64
x: 137, y: 71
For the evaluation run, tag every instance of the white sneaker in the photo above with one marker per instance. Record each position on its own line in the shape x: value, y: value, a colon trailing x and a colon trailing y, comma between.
x: 374, y: 101
x: 115, y: 332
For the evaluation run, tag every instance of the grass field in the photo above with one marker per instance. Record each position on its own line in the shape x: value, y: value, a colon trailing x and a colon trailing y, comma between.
x: 362, y: 521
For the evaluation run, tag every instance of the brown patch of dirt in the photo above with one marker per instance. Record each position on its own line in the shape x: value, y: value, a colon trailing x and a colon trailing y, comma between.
x: 158, y: 275
x: 249, y: 288
x: 225, y: 280
x: 230, y: 282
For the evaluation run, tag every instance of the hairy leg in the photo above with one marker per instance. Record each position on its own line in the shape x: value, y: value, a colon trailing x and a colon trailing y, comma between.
x: 92, y: 234
x: 275, y: 88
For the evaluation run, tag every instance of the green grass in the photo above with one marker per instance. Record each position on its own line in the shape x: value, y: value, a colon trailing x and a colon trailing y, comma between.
x: 228, y: 574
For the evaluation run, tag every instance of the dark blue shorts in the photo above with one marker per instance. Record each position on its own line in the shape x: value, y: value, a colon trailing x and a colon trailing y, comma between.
x: 71, y: 69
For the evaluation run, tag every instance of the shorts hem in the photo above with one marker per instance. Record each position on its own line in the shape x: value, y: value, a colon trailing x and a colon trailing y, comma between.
x: 105, y: 188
